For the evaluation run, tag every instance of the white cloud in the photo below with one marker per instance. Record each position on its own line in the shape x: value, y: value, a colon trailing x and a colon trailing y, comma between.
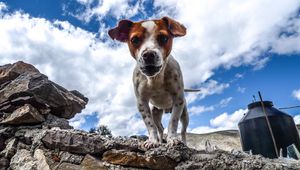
x: 241, y: 89
x: 238, y: 75
x: 2, y: 6
x: 224, y: 121
x: 297, y: 119
x: 296, y: 94
x: 196, y: 110
x: 116, y: 8
x: 225, y: 102
x: 208, y: 88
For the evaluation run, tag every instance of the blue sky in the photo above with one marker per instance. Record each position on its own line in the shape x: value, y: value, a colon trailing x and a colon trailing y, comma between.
x: 232, y: 50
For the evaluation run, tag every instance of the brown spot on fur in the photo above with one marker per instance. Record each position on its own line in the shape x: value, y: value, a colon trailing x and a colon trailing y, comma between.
x: 176, y: 78
x: 181, y: 102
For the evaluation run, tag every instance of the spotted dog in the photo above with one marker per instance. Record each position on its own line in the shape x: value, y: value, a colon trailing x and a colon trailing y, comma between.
x: 157, y: 78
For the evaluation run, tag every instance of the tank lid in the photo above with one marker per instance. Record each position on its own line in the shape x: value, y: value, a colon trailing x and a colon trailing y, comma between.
x: 258, y: 104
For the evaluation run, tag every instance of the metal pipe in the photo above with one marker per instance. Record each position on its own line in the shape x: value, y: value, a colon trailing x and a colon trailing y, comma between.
x: 268, y: 123
x: 192, y: 90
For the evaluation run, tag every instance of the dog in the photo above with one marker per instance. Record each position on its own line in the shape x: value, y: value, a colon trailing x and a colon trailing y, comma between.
x: 157, y: 77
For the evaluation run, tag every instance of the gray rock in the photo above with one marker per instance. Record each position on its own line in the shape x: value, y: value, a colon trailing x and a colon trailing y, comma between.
x: 41, y: 160
x: 74, y: 142
x: 70, y: 158
x: 5, y: 133
x: 91, y: 163
x: 54, y: 121
x: 134, y: 159
x: 10, y: 72
x: 23, y: 160
x: 10, y: 148
x: 34, y: 88
x: 219, y: 159
x: 68, y: 166
x: 24, y: 115
x: 4, y: 163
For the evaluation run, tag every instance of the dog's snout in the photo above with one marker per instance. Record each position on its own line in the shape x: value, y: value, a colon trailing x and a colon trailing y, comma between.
x: 150, y: 58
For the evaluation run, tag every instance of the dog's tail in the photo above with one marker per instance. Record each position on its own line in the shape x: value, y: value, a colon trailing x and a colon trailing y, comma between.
x: 192, y: 90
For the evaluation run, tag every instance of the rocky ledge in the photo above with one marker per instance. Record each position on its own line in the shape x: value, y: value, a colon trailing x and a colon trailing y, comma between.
x: 35, y: 134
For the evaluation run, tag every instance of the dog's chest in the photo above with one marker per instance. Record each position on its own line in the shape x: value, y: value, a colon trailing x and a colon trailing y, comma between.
x: 160, y: 96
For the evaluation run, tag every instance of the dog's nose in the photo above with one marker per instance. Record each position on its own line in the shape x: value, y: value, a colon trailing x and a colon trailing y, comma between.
x: 150, y: 58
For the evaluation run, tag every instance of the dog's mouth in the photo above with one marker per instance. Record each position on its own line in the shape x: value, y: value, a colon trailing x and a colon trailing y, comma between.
x: 150, y: 70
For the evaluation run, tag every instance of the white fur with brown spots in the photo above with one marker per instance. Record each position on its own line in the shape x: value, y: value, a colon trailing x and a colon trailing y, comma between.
x: 157, y: 77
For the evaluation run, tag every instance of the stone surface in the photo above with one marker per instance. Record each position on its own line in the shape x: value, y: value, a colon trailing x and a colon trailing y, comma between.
x: 10, y: 148
x: 54, y: 121
x: 19, y: 87
x: 70, y: 158
x: 5, y: 133
x: 4, y: 163
x: 74, y: 142
x: 219, y: 159
x: 23, y: 160
x: 24, y: 115
x: 133, y: 159
x: 68, y: 166
x: 41, y: 160
x: 9, y: 72
x: 91, y: 163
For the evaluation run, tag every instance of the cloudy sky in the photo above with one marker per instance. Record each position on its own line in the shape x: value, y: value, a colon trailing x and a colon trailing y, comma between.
x: 232, y: 49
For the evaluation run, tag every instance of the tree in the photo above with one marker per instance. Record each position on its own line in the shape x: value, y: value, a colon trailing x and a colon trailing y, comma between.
x: 101, y: 130
x: 92, y: 130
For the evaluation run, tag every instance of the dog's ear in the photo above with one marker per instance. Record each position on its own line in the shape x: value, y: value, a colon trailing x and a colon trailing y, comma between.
x: 121, y: 32
x: 176, y: 29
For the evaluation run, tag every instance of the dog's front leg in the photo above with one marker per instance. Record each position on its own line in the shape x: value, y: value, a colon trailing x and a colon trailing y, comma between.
x: 177, y: 110
x: 143, y: 107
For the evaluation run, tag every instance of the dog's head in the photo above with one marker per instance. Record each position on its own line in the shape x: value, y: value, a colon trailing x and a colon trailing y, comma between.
x: 149, y: 42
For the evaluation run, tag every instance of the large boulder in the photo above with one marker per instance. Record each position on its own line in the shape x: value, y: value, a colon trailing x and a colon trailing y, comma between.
x: 135, y: 159
x: 24, y: 115
x: 75, y: 142
x: 21, y: 83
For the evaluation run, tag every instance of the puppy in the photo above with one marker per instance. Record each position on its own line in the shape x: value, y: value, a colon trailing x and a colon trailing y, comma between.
x: 157, y: 78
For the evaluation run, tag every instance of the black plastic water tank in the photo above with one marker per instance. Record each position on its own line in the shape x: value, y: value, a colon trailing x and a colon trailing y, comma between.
x: 255, y: 134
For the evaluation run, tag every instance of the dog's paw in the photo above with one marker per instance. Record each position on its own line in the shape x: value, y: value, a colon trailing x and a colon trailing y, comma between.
x: 148, y: 144
x: 173, y: 141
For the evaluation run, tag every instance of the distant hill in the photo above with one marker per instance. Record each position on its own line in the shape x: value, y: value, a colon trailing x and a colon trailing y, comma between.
x: 226, y: 140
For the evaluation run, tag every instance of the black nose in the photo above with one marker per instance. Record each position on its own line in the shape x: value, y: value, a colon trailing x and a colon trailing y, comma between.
x: 150, y: 58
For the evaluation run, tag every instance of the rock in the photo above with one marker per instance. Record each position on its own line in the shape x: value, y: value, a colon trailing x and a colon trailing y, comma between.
x: 41, y: 159
x: 24, y: 115
x: 219, y: 159
x: 54, y: 121
x: 70, y: 158
x: 4, y: 163
x: 134, y: 159
x: 23, y: 160
x: 74, y: 142
x: 10, y: 148
x: 5, y: 133
x: 68, y: 166
x: 32, y: 87
x: 9, y: 72
x: 91, y: 163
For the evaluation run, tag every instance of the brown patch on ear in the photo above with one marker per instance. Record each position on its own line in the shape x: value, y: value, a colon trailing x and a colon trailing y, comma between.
x: 176, y: 29
x: 121, y: 32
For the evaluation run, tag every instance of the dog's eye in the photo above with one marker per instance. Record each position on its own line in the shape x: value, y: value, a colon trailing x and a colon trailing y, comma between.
x: 135, y: 41
x: 162, y: 39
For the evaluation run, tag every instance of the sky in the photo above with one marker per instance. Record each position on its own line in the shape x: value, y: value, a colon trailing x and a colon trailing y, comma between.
x: 232, y: 50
